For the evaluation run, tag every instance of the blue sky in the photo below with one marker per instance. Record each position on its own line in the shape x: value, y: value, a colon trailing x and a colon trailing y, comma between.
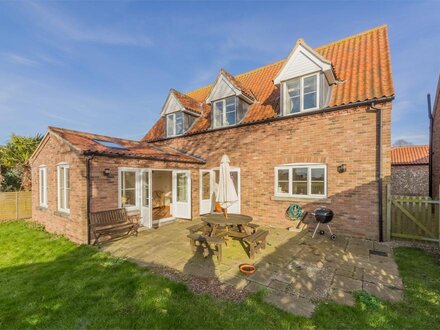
x: 107, y: 67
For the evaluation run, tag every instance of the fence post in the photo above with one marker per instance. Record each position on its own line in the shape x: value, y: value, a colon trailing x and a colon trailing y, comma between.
x: 388, y: 232
x: 16, y: 205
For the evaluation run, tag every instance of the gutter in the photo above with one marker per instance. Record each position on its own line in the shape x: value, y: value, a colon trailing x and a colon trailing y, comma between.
x: 113, y: 155
x: 379, y: 167
x: 89, y: 195
x: 273, y: 119
x: 431, y: 120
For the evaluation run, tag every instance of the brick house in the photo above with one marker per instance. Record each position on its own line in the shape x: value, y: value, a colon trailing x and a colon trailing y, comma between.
x: 312, y: 129
x: 410, y: 170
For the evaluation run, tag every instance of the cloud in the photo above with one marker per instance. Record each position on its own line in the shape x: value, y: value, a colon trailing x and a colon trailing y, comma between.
x: 19, y: 59
x: 55, y: 22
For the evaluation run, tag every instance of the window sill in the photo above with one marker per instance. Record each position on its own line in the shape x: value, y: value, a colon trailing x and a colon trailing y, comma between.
x: 323, y: 200
x: 62, y: 214
x: 42, y: 208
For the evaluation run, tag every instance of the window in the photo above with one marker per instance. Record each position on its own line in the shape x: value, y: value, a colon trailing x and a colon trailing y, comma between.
x: 175, y: 124
x: 42, y: 185
x: 307, y: 180
x: 110, y: 144
x: 301, y: 94
x: 128, y: 188
x: 182, y: 187
x: 225, y: 112
x: 63, y: 174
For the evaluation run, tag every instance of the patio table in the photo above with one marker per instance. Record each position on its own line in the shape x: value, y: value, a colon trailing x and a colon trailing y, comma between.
x: 238, y: 221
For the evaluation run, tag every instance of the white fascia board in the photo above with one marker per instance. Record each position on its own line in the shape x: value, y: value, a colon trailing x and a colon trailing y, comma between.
x: 221, y: 79
x: 166, y: 109
x: 308, y: 52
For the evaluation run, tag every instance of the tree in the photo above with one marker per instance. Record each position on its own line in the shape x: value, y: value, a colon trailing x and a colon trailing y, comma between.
x: 402, y: 142
x: 15, y: 170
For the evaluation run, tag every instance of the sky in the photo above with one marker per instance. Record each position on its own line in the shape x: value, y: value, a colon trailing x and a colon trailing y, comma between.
x: 107, y: 67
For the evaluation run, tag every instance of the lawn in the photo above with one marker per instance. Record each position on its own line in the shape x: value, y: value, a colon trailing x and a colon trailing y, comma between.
x: 48, y: 282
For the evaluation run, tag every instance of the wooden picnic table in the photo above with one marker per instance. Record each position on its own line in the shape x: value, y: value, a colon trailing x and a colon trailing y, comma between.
x: 236, y: 225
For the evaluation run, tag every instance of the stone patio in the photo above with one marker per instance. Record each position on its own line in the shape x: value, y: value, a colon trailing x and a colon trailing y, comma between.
x: 296, y: 270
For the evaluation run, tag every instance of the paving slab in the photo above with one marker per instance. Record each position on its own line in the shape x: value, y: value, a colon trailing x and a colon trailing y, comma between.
x: 292, y: 304
x: 347, y: 284
x: 341, y: 297
x: 383, y: 292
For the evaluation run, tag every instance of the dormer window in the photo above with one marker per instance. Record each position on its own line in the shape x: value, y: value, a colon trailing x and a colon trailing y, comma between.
x: 301, y: 94
x: 225, y: 112
x: 175, y: 124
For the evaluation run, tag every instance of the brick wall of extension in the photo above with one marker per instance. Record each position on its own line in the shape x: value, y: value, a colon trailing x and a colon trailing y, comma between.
x: 338, y: 137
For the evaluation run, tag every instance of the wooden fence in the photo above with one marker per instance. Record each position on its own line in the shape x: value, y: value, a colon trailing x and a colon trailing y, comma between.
x: 413, y: 217
x: 15, y: 205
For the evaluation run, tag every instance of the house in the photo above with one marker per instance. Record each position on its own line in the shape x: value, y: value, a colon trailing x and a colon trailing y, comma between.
x: 410, y: 170
x: 312, y: 129
x: 435, y: 144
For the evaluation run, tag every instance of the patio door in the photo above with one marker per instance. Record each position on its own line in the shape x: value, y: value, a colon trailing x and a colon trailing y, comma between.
x: 206, y: 191
x: 145, y: 195
x: 182, y: 194
x: 235, y: 175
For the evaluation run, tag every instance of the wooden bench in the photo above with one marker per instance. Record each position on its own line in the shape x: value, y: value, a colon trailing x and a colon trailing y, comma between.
x: 111, y: 222
x: 253, y: 226
x: 202, y: 227
x: 256, y: 242
x: 206, y: 242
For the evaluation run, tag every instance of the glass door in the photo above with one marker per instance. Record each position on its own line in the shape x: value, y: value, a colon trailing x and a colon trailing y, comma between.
x: 235, y: 176
x: 146, y: 209
x: 206, y: 191
x: 182, y: 194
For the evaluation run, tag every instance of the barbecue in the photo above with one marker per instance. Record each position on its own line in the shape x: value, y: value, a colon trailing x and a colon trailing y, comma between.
x: 323, y: 216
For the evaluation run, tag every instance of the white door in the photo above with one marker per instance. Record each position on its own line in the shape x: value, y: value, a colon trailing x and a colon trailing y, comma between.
x: 206, y: 191
x: 235, y: 175
x: 146, y: 209
x: 182, y: 194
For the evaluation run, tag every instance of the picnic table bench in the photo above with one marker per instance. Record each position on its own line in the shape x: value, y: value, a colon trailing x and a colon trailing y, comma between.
x: 111, y: 222
x: 256, y: 242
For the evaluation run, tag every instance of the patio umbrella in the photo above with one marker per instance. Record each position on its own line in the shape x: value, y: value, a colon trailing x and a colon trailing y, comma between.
x: 226, y: 194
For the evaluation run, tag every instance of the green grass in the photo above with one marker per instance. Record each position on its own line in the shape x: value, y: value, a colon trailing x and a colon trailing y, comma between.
x: 48, y: 282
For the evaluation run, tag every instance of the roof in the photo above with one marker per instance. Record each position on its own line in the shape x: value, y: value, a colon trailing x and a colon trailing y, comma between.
x: 410, y: 155
x: 362, y: 63
x: 246, y: 91
x: 187, y: 102
x: 88, y: 143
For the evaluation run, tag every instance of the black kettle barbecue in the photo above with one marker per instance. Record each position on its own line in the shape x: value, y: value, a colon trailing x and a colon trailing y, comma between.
x: 323, y: 216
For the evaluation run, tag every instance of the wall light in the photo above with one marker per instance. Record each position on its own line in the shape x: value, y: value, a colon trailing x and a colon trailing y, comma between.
x: 106, y: 172
x: 342, y: 168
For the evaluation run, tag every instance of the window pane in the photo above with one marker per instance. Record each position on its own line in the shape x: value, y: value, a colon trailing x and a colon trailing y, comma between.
x: 61, y: 188
x: 318, y: 174
x: 128, y: 198
x: 234, y: 177
x: 230, y: 104
x: 299, y: 174
x: 129, y: 180
x: 309, y: 101
x: 67, y: 174
x: 283, y: 175
x: 218, y: 114
x: 179, y: 123
x: 230, y: 118
x: 317, y: 188
x: 206, y: 185
x: 299, y: 181
x: 181, y: 187
x: 170, y: 125
x: 293, y: 88
x: 295, y: 105
x: 310, y: 84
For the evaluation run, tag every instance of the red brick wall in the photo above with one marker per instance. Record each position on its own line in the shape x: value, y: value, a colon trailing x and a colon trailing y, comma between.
x: 73, y: 225
x: 334, y: 138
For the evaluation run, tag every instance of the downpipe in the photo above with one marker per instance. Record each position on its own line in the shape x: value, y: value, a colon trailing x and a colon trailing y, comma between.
x: 378, y: 112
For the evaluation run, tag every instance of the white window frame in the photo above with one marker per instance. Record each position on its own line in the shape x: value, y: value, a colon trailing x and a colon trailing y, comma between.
x: 175, y: 123
x: 309, y: 167
x: 137, y: 190
x: 42, y: 186
x: 59, y: 167
x: 301, y: 94
x: 223, y: 101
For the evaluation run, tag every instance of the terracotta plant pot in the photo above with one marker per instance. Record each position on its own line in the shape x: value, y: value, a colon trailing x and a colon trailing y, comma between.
x: 247, y: 269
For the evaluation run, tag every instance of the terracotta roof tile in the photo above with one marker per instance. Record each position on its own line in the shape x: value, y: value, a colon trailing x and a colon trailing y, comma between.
x: 188, y: 102
x: 361, y: 62
x: 238, y: 84
x: 410, y: 155
x: 88, y: 142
